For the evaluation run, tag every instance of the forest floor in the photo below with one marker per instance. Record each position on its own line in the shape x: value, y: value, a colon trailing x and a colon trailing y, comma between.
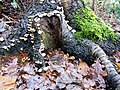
x: 63, y: 72
x: 108, y: 17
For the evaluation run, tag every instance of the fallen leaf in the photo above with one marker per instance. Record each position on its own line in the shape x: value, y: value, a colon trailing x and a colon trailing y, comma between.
x: 12, y: 66
x: 55, y: 73
x: 98, y: 69
x: 117, y: 56
x: 88, y: 83
x: 83, y: 68
x: 29, y: 69
x: 7, y: 82
x: 118, y: 65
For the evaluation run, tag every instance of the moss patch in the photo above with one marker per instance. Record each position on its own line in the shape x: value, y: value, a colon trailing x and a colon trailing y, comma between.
x: 91, y: 27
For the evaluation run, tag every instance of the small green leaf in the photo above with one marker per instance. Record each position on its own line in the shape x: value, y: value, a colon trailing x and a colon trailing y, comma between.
x: 15, y: 4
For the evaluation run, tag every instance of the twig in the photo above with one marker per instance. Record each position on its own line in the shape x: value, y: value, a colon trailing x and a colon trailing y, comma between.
x: 9, y: 18
x: 103, y: 7
x: 93, y: 5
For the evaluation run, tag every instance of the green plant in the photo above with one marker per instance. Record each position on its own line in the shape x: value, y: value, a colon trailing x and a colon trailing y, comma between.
x: 15, y: 4
x: 91, y: 27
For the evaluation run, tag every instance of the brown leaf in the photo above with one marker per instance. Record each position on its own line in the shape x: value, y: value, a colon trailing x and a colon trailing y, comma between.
x: 83, y: 68
x: 7, y: 82
x: 118, y: 65
x: 104, y: 73
x: 83, y: 65
x: 55, y: 73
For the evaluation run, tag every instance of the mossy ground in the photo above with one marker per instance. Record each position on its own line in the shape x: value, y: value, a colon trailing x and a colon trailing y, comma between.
x: 91, y: 27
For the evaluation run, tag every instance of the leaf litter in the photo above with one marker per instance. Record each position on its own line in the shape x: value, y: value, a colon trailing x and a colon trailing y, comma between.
x: 63, y: 73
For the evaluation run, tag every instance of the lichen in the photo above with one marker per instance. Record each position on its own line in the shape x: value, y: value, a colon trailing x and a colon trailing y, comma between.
x: 92, y: 27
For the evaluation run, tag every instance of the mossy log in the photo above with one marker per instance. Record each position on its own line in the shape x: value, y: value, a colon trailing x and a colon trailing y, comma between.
x: 89, y: 26
x: 44, y: 28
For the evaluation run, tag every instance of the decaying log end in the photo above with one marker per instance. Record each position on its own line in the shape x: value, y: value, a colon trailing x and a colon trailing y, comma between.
x: 39, y: 30
x: 51, y: 32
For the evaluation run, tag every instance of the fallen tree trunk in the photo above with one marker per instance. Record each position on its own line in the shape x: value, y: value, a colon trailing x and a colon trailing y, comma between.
x: 108, y: 45
x: 72, y: 12
x: 44, y: 28
x: 70, y: 45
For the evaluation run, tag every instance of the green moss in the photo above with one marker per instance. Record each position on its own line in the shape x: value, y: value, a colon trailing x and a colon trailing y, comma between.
x: 91, y: 27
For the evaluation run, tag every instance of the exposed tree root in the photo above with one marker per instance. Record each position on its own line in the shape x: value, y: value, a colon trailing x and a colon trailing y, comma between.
x: 93, y: 50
